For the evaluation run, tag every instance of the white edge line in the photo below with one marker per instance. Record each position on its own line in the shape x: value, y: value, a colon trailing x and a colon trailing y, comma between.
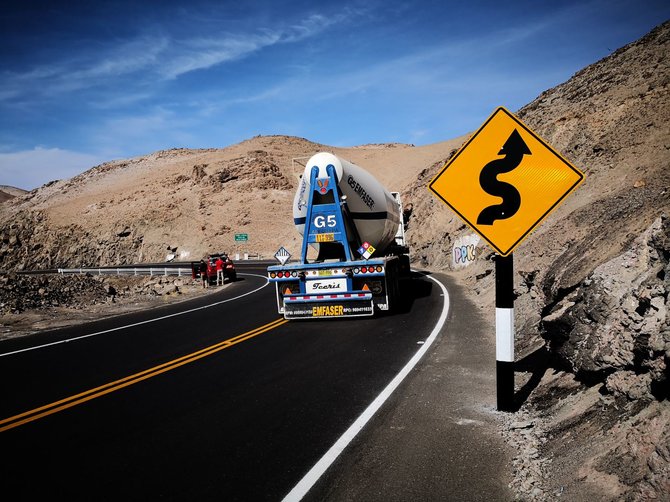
x: 118, y: 328
x: 315, y: 473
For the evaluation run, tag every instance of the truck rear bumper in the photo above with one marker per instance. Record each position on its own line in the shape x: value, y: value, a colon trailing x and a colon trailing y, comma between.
x: 310, y: 306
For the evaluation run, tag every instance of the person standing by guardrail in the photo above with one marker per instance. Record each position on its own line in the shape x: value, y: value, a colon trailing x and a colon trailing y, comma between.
x: 219, y: 270
x: 203, y: 274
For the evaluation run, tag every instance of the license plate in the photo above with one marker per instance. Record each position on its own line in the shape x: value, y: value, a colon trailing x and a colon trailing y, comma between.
x: 325, y: 237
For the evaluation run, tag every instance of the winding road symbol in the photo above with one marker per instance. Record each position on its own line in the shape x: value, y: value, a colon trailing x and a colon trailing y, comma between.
x: 513, y: 150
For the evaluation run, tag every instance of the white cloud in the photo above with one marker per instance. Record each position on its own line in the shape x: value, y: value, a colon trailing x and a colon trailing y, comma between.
x: 148, y: 57
x: 200, y: 54
x: 203, y: 53
x: 311, y: 26
x: 30, y: 169
x: 83, y: 70
x: 129, y: 57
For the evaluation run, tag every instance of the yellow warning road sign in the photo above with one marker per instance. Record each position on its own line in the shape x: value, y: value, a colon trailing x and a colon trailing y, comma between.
x: 504, y: 181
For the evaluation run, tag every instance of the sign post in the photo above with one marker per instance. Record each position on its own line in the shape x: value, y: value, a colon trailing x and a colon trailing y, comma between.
x: 503, y: 183
x: 505, y: 332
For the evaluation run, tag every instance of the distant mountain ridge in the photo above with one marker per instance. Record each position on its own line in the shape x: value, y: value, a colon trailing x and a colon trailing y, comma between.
x: 9, y: 192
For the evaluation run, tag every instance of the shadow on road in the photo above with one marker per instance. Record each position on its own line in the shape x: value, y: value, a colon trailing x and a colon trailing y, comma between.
x: 411, y: 290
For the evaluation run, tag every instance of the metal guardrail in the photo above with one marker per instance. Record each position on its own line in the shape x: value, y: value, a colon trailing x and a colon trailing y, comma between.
x: 182, y: 269
x: 179, y: 271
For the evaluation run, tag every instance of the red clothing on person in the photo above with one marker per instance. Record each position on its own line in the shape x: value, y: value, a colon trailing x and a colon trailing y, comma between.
x: 219, y: 271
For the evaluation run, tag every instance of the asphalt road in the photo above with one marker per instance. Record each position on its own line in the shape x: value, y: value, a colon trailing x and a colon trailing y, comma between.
x: 223, y: 401
x: 438, y: 437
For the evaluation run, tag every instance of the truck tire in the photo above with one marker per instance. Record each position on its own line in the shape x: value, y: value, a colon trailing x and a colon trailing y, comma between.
x: 393, y: 286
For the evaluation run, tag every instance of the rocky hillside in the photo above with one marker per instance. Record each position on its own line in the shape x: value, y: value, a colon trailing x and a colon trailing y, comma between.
x: 182, y: 202
x: 592, y: 282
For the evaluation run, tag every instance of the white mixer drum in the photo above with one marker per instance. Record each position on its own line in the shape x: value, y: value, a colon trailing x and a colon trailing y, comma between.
x: 374, y: 211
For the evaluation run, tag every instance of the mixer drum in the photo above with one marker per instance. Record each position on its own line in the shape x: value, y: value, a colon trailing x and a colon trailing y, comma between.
x: 374, y: 211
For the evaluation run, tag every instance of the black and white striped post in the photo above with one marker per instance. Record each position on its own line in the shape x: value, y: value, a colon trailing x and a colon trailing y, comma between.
x: 505, y: 332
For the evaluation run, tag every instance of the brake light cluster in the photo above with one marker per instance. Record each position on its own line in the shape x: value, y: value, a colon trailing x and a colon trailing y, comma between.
x: 280, y: 275
x: 366, y: 269
x: 369, y: 270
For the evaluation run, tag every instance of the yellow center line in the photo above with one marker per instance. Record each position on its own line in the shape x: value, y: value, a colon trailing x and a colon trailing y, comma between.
x: 63, y: 404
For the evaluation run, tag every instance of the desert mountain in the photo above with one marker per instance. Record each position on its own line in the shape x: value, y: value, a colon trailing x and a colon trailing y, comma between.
x: 193, y: 201
x: 592, y: 281
x: 7, y: 192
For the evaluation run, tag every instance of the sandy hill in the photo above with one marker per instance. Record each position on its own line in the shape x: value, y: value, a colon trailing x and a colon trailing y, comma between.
x: 592, y: 281
x: 192, y: 200
x: 7, y: 192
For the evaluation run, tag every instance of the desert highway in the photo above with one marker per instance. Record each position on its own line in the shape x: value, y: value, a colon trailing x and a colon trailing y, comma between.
x: 216, y: 398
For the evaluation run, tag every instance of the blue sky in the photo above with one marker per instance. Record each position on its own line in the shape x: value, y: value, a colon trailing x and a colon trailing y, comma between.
x: 84, y: 82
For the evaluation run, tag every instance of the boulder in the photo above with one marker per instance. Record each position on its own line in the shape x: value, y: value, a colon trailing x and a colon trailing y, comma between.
x: 617, y: 320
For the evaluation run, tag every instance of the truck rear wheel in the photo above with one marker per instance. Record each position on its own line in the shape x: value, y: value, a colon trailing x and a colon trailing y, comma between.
x: 393, y: 288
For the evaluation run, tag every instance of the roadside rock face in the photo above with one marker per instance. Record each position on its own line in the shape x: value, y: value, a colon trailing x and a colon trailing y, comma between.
x: 29, y: 241
x: 575, y: 443
x: 616, y: 323
x: 19, y: 293
x: 642, y: 460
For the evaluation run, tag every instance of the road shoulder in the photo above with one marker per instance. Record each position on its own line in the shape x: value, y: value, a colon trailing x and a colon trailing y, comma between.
x: 438, y: 437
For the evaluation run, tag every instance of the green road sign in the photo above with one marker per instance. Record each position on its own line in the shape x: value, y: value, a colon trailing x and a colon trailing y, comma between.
x: 241, y: 237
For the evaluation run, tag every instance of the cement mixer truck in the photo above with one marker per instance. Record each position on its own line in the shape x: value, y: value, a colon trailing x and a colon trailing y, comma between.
x: 354, y: 235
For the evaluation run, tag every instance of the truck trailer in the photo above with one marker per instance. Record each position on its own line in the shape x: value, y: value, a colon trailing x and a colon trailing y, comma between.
x: 352, y: 229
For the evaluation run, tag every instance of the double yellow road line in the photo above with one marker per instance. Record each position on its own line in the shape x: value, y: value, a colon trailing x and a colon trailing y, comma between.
x: 63, y: 404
